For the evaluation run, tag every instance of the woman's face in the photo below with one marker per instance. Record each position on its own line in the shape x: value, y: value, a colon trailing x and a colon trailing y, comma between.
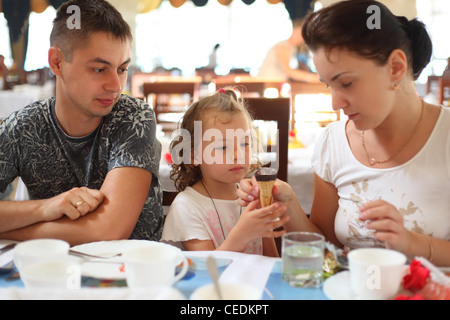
x: 361, y: 87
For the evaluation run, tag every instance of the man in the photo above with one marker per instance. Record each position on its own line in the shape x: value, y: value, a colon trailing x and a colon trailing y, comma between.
x: 88, y: 157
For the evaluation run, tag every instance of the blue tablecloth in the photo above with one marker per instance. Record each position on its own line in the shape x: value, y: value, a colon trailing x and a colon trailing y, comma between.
x: 276, y: 288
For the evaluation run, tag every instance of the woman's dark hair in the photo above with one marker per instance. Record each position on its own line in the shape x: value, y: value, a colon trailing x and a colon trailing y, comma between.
x: 347, y: 24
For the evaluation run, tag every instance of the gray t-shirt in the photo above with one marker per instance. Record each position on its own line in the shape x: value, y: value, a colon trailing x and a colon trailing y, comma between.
x: 34, y: 147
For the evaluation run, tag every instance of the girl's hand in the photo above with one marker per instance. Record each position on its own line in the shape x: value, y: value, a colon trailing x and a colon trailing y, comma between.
x: 259, y: 223
x: 248, y: 191
x: 387, y: 222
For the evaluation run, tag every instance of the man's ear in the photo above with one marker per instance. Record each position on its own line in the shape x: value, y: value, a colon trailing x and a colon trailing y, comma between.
x: 398, y: 65
x: 55, y: 58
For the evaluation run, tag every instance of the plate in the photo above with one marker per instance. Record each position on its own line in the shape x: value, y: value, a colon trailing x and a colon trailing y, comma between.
x: 338, y: 287
x: 110, y: 269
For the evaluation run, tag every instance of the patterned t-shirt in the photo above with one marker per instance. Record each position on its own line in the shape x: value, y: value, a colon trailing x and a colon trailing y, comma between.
x: 34, y: 147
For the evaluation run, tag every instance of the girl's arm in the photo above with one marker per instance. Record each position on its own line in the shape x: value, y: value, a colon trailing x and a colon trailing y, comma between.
x: 283, y: 195
x: 253, y: 223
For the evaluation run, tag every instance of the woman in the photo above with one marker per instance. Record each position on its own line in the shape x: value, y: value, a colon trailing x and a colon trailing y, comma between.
x: 382, y: 177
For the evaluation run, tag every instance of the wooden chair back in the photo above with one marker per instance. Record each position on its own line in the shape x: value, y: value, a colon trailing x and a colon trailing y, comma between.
x: 159, y: 92
x: 248, y: 85
x: 276, y: 109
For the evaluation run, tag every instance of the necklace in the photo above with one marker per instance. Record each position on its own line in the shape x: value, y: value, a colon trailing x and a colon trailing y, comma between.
x: 217, y: 211
x: 372, y: 161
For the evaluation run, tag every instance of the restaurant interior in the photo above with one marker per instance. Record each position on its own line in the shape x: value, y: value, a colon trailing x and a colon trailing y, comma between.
x: 186, y: 49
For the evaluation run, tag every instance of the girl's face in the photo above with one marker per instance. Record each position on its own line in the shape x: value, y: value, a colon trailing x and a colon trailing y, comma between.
x: 226, y: 150
x: 359, y: 86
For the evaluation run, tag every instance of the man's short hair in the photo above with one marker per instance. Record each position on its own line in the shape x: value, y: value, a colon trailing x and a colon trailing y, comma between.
x: 95, y: 16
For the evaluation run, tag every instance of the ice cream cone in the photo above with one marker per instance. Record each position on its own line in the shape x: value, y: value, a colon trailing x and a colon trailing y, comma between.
x: 265, y: 178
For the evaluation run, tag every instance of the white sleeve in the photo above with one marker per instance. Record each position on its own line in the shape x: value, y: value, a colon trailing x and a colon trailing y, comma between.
x: 321, y: 157
x: 184, y: 222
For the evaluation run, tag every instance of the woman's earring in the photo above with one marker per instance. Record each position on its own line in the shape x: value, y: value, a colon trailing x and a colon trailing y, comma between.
x: 396, y: 87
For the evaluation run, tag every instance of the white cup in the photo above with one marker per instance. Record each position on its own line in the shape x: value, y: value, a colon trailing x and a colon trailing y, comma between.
x: 60, y: 274
x: 230, y: 291
x: 153, y: 265
x: 32, y: 252
x: 376, y: 273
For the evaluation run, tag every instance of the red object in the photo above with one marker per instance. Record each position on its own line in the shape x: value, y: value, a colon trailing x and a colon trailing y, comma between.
x: 168, y: 157
x: 418, y: 276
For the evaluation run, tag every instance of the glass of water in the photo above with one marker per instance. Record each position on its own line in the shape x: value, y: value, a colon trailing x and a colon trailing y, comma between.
x: 302, y: 255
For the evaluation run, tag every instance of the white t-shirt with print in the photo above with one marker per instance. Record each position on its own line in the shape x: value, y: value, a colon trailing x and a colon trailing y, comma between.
x: 193, y: 216
x: 419, y: 188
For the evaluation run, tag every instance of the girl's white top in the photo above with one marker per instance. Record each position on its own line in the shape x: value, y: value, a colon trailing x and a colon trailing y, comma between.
x: 193, y: 216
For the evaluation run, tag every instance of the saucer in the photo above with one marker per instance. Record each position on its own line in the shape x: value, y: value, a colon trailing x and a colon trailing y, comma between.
x: 339, y: 287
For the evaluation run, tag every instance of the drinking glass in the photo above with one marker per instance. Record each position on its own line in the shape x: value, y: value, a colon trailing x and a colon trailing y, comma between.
x: 302, y: 258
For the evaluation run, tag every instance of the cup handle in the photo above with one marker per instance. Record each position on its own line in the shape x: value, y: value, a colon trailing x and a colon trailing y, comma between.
x: 183, y: 271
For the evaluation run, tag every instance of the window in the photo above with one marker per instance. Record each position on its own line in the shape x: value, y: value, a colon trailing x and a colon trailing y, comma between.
x: 436, y: 14
x: 184, y: 37
x: 38, y: 39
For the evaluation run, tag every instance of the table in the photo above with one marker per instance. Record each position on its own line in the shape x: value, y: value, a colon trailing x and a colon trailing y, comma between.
x: 262, y: 272
x: 21, y: 96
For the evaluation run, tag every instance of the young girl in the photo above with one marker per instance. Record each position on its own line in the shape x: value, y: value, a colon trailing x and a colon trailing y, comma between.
x: 205, y: 215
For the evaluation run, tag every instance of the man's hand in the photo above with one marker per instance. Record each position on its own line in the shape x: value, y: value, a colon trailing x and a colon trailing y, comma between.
x: 74, y: 204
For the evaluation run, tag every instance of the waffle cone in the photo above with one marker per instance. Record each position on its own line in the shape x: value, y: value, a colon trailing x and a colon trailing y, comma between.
x: 265, y: 192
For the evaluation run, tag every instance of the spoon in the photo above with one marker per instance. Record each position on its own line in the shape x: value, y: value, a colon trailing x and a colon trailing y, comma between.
x: 212, y: 269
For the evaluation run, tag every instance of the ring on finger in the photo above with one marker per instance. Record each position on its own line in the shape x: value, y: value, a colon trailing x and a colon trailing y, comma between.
x: 79, y: 204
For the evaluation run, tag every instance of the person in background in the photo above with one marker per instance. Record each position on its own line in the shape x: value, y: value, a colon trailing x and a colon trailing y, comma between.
x: 88, y: 156
x: 205, y: 214
x: 212, y: 64
x: 3, y: 72
x: 278, y: 62
x: 382, y: 176
x: 3, y: 68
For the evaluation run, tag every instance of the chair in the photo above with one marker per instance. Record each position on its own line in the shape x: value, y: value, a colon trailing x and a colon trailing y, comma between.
x: 443, y: 83
x: 168, y: 197
x: 252, y: 86
x: 163, y: 89
x: 276, y: 109
x: 207, y: 74
x: 306, y: 88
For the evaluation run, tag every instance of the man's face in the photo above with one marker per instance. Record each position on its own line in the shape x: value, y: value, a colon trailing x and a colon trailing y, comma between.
x: 93, y: 80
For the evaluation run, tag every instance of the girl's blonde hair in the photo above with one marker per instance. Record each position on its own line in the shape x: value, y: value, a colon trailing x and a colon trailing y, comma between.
x: 223, y: 102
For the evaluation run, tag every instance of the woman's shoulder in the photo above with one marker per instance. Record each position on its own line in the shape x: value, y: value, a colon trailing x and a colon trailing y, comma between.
x: 332, y: 133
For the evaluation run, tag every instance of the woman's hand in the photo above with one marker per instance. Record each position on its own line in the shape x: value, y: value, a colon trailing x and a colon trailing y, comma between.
x: 248, y: 191
x: 387, y: 222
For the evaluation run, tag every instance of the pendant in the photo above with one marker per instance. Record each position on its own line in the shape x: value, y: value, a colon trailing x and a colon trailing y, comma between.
x: 372, y: 162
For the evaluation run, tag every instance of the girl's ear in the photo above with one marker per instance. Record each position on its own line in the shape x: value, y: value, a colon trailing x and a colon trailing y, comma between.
x: 398, y: 65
